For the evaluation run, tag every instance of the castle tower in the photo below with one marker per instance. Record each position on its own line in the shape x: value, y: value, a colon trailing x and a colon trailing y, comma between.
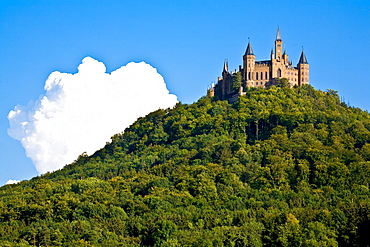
x: 225, y: 87
x: 278, y: 46
x: 277, y: 63
x: 249, y: 62
x: 303, y: 70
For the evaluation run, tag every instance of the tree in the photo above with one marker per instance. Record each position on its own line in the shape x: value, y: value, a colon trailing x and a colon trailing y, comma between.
x: 282, y: 82
x: 236, y: 82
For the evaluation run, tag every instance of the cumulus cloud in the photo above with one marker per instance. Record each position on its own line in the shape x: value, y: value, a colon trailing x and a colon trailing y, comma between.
x: 11, y: 181
x: 80, y: 112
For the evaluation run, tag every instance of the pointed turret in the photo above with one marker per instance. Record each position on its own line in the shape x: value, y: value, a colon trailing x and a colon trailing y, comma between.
x: 303, y: 59
x: 278, y: 37
x: 248, y: 63
x: 272, y: 55
x: 226, y: 66
x: 249, y: 50
x: 286, y: 58
x: 303, y: 70
x: 225, y: 81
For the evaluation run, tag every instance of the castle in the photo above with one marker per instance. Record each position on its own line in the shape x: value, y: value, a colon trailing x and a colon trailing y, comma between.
x: 260, y: 73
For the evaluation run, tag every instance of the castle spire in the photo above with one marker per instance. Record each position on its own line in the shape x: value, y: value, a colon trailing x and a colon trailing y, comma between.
x: 249, y: 50
x: 226, y: 66
x: 278, y: 37
x: 303, y: 58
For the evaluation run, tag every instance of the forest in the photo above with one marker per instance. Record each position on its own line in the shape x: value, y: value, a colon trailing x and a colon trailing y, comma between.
x: 280, y: 167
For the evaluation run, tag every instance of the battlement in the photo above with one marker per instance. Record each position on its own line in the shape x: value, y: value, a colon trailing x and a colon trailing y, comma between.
x: 262, y: 65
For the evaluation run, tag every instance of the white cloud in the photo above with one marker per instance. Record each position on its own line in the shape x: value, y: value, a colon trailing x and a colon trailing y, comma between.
x: 80, y: 112
x: 11, y: 181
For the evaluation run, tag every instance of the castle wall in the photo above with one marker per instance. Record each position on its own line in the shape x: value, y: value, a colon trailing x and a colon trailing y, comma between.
x: 303, y: 76
x: 259, y: 76
x: 291, y: 74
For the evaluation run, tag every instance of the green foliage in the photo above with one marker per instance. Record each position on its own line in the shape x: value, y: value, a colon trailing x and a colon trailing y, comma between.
x: 236, y: 82
x: 282, y: 82
x: 281, y: 167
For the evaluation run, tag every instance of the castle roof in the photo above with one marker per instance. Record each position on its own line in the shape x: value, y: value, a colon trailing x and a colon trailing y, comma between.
x: 226, y: 67
x: 263, y: 62
x: 303, y: 58
x: 278, y: 37
x: 249, y: 50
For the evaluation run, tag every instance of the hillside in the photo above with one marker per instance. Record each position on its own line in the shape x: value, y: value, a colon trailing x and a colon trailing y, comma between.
x: 280, y: 167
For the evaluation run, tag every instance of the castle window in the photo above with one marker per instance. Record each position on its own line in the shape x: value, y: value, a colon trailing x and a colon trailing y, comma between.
x: 266, y: 78
x: 249, y: 76
x: 261, y: 75
x: 279, y: 73
x: 256, y: 75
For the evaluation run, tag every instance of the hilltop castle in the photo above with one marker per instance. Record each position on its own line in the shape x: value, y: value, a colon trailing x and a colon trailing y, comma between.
x: 260, y: 73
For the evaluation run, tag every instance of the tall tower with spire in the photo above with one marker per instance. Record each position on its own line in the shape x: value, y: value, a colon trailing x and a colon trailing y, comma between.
x: 278, y: 46
x: 279, y: 61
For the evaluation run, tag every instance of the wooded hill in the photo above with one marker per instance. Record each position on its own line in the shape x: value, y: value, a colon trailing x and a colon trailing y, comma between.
x: 280, y: 167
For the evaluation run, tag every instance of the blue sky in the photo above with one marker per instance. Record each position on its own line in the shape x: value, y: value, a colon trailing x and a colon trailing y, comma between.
x: 187, y: 41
